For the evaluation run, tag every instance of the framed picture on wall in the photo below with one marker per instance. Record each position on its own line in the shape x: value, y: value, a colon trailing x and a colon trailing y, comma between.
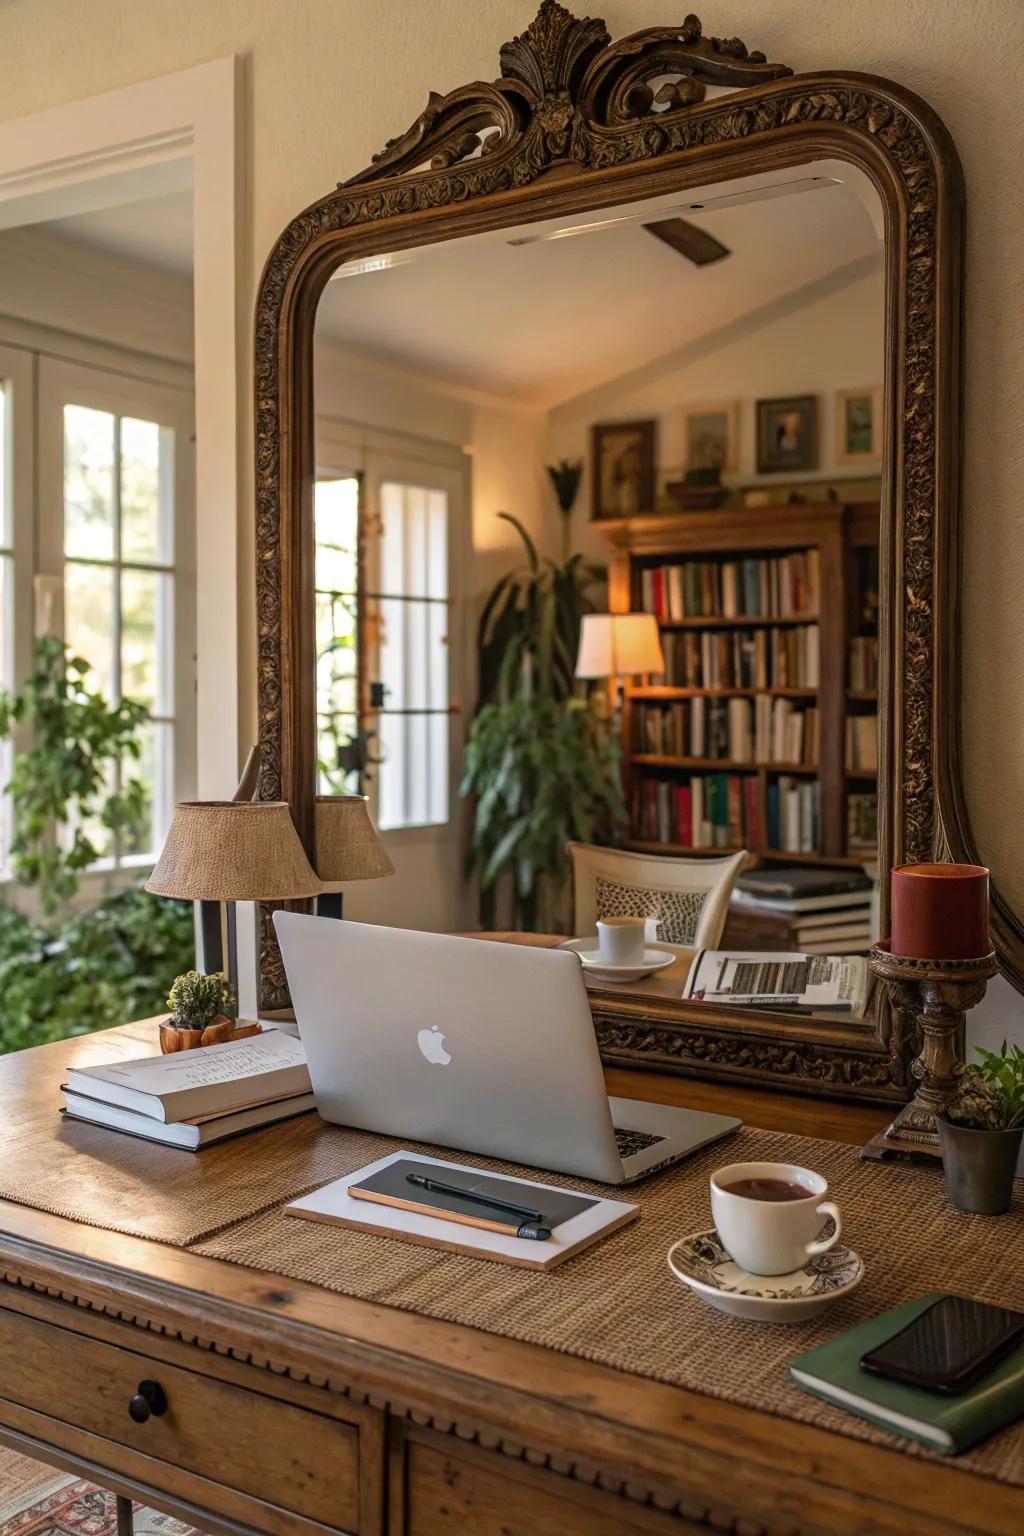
x: 858, y: 425
x: 787, y: 435
x: 711, y: 436
x: 622, y: 468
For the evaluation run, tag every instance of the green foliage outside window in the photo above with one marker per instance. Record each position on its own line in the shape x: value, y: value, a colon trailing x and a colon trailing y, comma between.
x: 63, y: 780
x: 98, y: 969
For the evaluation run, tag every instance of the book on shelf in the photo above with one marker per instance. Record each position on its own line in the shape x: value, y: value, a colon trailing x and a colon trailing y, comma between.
x: 702, y: 810
x: 862, y: 743
x: 863, y: 668
x: 749, y: 731
x: 948, y: 1423
x: 190, y: 1135
x: 743, y: 658
x: 213, y: 1080
x: 862, y: 825
x: 836, y: 983
x: 793, y: 814
x: 780, y: 586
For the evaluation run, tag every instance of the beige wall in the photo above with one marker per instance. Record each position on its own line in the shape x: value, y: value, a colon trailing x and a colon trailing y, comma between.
x: 329, y: 81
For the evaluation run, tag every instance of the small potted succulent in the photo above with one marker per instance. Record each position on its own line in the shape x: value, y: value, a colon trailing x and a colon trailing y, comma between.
x: 202, y: 1013
x: 981, y: 1131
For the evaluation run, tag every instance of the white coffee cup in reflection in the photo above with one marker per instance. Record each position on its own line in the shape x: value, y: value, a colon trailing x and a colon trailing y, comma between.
x: 769, y: 1216
x: 621, y: 940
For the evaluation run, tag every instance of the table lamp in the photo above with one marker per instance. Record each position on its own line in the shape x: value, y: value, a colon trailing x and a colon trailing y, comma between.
x: 225, y: 851
x: 345, y: 847
x: 616, y: 645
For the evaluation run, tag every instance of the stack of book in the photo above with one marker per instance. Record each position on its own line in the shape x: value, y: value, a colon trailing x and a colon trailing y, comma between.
x: 784, y: 586
x: 781, y: 657
x: 814, y: 911
x: 192, y: 1098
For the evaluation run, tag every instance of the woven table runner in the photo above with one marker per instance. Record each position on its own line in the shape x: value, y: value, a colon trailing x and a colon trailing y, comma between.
x: 616, y: 1304
x: 619, y: 1305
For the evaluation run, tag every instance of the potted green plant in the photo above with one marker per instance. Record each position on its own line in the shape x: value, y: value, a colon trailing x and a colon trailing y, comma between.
x: 202, y: 1013
x: 981, y: 1132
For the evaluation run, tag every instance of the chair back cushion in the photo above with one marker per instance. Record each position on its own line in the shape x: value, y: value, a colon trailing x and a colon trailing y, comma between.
x: 678, y: 911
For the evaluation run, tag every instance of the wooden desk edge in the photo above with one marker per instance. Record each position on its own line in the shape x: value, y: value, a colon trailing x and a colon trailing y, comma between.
x: 463, y: 1381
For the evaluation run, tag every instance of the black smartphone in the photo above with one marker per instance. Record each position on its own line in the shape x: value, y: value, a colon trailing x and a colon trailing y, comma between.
x: 949, y: 1347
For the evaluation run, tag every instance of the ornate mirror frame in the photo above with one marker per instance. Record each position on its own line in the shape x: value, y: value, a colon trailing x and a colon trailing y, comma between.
x: 573, y: 124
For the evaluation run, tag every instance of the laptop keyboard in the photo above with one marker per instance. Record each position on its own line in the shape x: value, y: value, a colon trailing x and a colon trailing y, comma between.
x: 630, y: 1142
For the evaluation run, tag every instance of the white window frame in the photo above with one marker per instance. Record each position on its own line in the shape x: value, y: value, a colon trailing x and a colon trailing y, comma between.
x: 378, y: 457
x: 17, y: 377
x: 61, y: 382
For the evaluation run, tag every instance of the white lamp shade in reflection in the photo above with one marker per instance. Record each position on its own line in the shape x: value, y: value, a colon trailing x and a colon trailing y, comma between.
x: 619, y: 645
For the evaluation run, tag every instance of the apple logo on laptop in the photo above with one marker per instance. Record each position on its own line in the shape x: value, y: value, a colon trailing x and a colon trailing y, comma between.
x: 431, y: 1043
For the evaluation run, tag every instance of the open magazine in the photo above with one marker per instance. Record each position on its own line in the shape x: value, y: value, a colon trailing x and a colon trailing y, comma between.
x: 770, y: 979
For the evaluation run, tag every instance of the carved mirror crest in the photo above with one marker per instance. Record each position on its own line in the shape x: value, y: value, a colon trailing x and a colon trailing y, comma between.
x: 579, y: 123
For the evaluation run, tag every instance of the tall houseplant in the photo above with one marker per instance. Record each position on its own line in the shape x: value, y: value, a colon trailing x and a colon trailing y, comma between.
x: 539, y: 760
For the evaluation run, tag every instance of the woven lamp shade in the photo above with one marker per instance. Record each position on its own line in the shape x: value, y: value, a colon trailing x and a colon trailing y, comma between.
x: 346, y: 843
x: 225, y: 850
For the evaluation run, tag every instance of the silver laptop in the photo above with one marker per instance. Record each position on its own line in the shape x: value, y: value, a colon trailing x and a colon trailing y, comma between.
x: 469, y: 1043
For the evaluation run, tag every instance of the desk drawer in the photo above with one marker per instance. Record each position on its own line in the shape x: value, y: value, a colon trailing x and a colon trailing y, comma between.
x: 269, y: 1450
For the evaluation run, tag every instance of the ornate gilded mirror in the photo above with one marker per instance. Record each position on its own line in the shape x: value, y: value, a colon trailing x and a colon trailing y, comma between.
x: 601, y: 259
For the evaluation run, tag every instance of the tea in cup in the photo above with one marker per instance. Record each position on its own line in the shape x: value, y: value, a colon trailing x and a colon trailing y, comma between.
x: 769, y: 1216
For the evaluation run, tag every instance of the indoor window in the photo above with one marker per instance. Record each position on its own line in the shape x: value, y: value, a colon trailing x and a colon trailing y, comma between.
x: 336, y: 515
x: 6, y: 610
x: 119, y: 588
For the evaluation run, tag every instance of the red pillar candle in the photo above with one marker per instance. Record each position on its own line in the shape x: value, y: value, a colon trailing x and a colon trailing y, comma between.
x: 940, y: 911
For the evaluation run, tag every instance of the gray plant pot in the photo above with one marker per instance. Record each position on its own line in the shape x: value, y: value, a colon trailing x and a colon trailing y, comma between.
x: 979, y: 1166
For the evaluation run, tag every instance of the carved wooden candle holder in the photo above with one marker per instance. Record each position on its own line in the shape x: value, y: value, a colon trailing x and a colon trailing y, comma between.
x: 938, y: 994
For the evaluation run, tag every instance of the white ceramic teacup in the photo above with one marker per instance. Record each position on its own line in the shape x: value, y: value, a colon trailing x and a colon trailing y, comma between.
x: 772, y: 1237
x: 622, y: 940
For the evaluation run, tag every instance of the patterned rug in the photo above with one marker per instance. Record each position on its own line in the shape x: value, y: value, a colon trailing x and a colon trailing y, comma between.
x: 36, y: 1500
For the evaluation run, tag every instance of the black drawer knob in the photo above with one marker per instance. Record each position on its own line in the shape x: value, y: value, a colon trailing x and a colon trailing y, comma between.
x: 150, y: 1398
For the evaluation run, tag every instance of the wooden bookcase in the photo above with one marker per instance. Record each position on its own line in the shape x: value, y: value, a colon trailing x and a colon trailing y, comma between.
x: 844, y: 537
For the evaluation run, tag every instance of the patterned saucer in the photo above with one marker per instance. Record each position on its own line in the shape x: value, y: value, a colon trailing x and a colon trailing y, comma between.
x: 701, y: 1262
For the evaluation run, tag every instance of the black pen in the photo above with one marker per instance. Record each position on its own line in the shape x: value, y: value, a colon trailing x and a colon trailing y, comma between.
x: 435, y: 1186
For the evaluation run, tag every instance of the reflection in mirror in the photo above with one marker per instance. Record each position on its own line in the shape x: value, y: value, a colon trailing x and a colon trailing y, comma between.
x: 682, y: 398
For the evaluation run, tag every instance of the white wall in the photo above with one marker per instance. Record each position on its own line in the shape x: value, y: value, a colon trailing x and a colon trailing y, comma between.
x: 329, y: 81
x: 812, y: 343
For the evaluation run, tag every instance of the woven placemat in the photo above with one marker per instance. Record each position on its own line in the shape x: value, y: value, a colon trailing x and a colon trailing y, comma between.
x: 619, y: 1305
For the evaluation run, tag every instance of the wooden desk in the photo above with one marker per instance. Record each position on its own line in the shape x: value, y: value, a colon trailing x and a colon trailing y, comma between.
x: 295, y: 1410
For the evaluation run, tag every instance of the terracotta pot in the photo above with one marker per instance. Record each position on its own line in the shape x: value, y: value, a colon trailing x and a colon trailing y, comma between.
x: 979, y: 1166
x: 219, y: 1030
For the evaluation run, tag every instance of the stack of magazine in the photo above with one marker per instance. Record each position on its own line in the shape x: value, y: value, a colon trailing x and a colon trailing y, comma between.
x: 192, y: 1098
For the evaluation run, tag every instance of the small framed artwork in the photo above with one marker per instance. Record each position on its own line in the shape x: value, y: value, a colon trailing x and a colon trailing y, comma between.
x: 858, y: 425
x: 787, y: 435
x: 711, y: 436
x: 622, y: 470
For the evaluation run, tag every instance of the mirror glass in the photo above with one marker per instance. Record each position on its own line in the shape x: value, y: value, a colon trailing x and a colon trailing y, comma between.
x: 679, y: 404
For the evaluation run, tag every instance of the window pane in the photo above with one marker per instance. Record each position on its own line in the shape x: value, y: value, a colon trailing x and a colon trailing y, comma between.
x: 146, y: 640
x: 6, y: 636
x: 155, y: 769
x: 412, y: 658
x: 147, y: 490
x: 89, y: 622
x: 413, y: 541
x: 88, y: 483
x: 5, y: 509
x: 336, y: 516
x: 413, y: 775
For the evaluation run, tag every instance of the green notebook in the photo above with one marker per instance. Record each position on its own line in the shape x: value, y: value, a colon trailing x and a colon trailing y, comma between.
x: 946, y: 1424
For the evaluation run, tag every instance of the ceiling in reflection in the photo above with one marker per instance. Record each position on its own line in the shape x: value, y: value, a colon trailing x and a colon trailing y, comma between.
x: 538, y: 320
